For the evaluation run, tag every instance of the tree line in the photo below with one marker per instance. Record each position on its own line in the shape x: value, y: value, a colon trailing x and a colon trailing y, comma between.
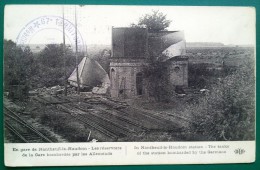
x: 36, y: 70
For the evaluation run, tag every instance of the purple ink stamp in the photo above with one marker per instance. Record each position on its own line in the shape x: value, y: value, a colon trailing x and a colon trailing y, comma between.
x: 42, y: 23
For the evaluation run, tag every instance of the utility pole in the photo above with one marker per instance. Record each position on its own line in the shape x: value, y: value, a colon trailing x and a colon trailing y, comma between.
x: 76, y: 43
x: 64, y: 53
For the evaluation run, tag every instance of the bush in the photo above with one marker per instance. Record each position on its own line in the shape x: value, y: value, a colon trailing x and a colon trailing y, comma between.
x: 19, y: 65
x: 228, y: 111
x: 202, y: 75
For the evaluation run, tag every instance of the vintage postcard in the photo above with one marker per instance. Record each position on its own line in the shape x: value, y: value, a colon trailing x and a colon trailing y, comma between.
x: 128, y: 85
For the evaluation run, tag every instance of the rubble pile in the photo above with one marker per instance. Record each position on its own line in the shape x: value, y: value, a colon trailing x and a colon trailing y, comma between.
x: 71, y: 90
x: 55, y: 90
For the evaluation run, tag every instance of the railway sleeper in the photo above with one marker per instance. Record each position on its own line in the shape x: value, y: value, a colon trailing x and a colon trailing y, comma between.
x: 115, y: 130
x: 18, y: 119
x: 121, y: 116
x: 97, y: 119
x: 15, y: 132
x: 88, y: 122
x: 100, y: 129
x: 107, y: 120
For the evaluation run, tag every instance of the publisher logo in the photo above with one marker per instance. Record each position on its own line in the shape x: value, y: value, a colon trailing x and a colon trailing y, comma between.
x: 239, y: 151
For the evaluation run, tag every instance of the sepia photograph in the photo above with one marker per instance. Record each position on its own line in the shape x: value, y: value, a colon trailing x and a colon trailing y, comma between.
x: 107, y: 73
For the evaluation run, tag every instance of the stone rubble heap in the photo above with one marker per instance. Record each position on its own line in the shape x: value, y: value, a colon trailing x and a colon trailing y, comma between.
x: 55, y: 90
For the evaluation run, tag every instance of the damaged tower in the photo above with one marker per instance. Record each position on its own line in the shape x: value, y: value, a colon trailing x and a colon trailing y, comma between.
x: 133, y: 49
x: 129, y: 57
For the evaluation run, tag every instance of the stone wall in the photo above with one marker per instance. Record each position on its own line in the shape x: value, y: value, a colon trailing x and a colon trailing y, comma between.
x: 124, y: 81
x: 177, y: 70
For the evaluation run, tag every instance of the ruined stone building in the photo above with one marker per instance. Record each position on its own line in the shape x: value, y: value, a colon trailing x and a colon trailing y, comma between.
x: 135, y: 50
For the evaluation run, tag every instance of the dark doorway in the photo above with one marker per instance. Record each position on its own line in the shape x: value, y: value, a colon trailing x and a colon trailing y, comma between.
x: 112, y: 77
x: 139, y: 83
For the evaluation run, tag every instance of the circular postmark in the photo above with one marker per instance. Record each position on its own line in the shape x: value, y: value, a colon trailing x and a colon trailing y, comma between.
x: 42, y: 23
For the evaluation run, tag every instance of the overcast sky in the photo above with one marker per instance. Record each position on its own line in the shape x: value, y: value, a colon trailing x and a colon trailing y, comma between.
x: 228, y: 25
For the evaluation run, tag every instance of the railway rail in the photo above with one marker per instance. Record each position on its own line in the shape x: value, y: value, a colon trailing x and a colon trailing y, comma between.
x: 138, y: 115
x: 22, y: 129
x: 123, y: 112
x: 114, y: 119
x: 77, y: 115
x: 112, y: 128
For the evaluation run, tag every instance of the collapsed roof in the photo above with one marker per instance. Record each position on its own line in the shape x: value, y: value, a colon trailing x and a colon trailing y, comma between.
x: 165, y: 45
x: 138, y: 43
x: 90, y: 73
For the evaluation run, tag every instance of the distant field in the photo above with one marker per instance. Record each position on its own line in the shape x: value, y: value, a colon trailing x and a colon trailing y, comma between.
x: 229, y: 56
x: 208, y: 64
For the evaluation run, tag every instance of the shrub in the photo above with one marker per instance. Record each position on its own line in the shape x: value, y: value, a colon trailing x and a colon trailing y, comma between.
x: 228, y: 111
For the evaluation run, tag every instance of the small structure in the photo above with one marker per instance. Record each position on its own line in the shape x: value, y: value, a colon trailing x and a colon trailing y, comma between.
x: 91, y: 74
x: 134, y: 49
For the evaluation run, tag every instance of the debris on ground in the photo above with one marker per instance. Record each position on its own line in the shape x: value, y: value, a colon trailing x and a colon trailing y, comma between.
x: 204, y: 90
x: 100, y: 90
x: 55, y: 90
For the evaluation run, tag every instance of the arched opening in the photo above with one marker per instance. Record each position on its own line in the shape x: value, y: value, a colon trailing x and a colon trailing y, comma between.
x: 177, y: 69
x: 139, y: 83
x: 112, y: 76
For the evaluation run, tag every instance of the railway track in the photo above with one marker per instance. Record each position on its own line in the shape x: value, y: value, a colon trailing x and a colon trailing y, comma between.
x: 23, y: 130
x: 119, y: 114
x: 118, y: 119
x: 141, y: 119
x: 101, y: 117
x: 139, y: 115
x: 77, y: 115
x: 114, y: 128
x: 89, y: 122
x: 111, y: 118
